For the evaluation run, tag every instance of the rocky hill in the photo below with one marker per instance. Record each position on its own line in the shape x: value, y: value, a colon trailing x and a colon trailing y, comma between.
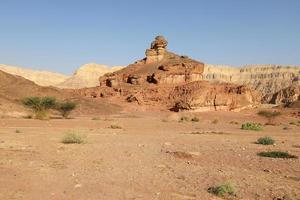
x: 14, y: 88
x: 267, y: 79
x: 43, y: 78
x: 165, y: 79
x: 87, y: 76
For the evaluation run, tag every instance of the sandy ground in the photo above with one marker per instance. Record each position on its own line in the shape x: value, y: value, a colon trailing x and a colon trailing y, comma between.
x: 141, y: 160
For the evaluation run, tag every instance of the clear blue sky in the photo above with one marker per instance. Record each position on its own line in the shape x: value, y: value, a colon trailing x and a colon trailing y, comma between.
x: 61, y: 35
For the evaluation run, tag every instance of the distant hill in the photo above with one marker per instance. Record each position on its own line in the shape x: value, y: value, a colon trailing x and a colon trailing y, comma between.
x: 43, y: 78
x: 87, y: 76
x: 267, y: 79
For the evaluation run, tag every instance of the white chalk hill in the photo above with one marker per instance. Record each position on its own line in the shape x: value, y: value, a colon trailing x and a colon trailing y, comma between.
x: 87, y: 76
x: 43, y: 78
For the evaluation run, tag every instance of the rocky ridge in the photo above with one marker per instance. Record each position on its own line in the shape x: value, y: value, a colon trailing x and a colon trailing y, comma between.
x: 172, y: 81
x: 267, y: 79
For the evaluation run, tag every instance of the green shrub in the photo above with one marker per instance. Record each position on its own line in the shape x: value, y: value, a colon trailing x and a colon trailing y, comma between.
x: 184, y: 119
x: 65, y: 108
x: 294, y: 123
x: 114, y: 126
x: 72, y: 138
x: 40, y: 106
x: 252, y: 126
x: 195, y: 119
x: 270, y: 115
x: 95, y: 118
x: 276, y: 154
x: 215, y: 121
x: 265, y: 140
x: 27, y: 117
x: 223, y: 190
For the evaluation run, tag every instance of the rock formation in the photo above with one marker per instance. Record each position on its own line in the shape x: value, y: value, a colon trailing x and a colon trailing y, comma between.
x: 267, y: 79
x: 165, y: 79
x: 42, y: 78
x: 203, y: 96
x: 158, y: 67
x: 285, y: 96
x: 157, y: 50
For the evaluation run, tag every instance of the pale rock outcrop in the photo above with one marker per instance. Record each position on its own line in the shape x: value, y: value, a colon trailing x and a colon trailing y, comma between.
x: 157, y: 50
x: 87, y: 76
x: 43, y: 78
x: 203, y: 96
x: 267, y: 79
x: 286, y: 96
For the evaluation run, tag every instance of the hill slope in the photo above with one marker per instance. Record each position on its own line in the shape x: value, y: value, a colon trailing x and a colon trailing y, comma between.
x: 43, y: 78
x: 13, y: 88
x: 87, y: 76
x: 267, y: 79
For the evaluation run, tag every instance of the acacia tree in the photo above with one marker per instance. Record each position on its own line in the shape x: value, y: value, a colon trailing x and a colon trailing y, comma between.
x: 40, y: 106
x: 270, y: 115
x: 65, y: 108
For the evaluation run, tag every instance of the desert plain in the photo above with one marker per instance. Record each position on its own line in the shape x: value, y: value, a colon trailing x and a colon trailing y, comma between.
x: 153, y: 155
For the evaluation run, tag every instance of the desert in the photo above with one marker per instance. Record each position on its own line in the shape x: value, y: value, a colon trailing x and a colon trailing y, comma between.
x: 158, y: 129
x: 123, y: 101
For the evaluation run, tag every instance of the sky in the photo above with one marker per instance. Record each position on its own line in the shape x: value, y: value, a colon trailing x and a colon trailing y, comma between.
x: 61, y: 35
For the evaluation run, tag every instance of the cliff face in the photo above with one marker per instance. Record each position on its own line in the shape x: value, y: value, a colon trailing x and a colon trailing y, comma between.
x: 202, y: 96
x: 267, y: 79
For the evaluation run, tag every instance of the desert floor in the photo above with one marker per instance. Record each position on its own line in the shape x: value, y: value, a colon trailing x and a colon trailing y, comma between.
x: 152, y: 157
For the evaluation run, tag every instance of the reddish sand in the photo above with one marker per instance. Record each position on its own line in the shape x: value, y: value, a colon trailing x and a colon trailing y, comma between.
x: 144, y: 160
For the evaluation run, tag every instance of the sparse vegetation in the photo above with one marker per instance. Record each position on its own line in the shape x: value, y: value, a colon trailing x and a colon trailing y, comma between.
x: 295, y: 123
x: 17, y: 131
x: 276, y: 154
x: 294, y: 178
x: 195, y: 119
x: 215, y: 121
x: 270, y: 115
x: 65, y: 108
x: 206, y: 132
x: 184, y: 119
x: 188, y: 119
x: 72, y: 138
x: 115, y: 126
x: 40, y: 106
x: 223, y: 190
x: 285, y: 128
x: 265, y: 140
x: 96, y: 118
x: 27, y: 117
x: 252, y: 126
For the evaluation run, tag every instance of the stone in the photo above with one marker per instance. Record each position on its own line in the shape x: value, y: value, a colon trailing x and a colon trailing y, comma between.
x: 159, y: 42
x: 157, y: 50
x: 276, y: 83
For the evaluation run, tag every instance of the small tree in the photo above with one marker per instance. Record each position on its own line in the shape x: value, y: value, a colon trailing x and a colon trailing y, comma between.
x: 40, y: 106
x: 65, y: 108
x: 270, y: 115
